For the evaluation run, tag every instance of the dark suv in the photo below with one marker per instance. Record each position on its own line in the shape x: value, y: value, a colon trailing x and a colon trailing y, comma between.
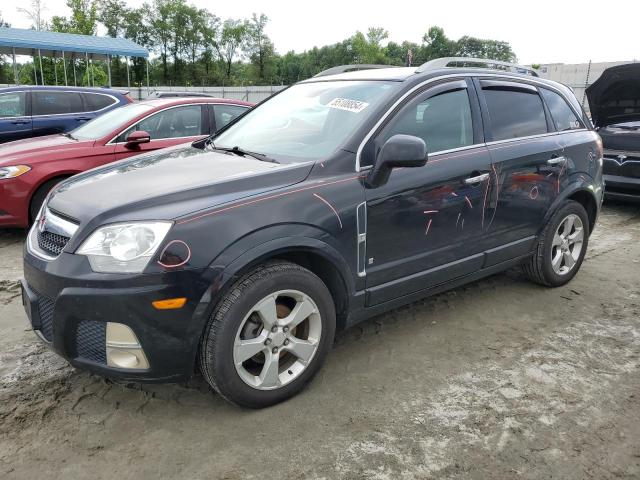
x: 614, y: 101
x: 242, y: 254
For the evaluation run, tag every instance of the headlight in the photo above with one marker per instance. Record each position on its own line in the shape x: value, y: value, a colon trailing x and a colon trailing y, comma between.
x: 13, y: 171
x: 124, y: 247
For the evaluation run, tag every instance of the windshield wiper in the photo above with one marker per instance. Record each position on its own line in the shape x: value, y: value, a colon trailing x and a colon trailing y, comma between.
x: 68, y: 135
x: 242, y: 153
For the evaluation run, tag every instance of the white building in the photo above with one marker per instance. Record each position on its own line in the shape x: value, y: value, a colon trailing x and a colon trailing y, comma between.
x: 577, y: 75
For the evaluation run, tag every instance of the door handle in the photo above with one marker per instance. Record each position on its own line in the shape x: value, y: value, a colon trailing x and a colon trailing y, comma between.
x: 556, y: 160
x: 477, y: 179
x: 83, y: 119
x: 20, y: 122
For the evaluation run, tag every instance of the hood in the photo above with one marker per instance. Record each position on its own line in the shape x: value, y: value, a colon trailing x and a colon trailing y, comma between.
x: 168, y: 184
x: 615, y: 96
x: 30, y: 149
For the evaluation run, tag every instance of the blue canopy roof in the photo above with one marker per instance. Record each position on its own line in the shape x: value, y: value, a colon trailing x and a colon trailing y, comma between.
x: 28, y: 42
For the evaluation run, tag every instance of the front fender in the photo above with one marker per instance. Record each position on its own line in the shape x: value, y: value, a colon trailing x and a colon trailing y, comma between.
x: 254, y: 248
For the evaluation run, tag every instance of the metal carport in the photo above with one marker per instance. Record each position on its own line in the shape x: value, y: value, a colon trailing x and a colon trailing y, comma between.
x: 18, y: 41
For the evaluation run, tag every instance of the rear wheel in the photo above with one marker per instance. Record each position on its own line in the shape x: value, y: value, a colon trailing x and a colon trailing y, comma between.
x: 561, y: 248
x: 268, y: 336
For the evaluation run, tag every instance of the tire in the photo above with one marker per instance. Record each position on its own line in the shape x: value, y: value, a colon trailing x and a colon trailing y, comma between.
x: 540, y: 267
x: 38, y: 197
x: 237, y: 321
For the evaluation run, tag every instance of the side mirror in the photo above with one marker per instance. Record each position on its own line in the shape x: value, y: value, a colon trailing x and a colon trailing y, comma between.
x: 136, y: 138
x: 399, y: 151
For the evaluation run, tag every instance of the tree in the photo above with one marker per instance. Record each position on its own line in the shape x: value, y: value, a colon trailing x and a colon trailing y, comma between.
x: 161, y: 29
x: 259, y: 47
x: 231, y: 38
x: 83, y: 20
x: 2, y: 22
x: 493, y: 49
x: 368, y: 49
x: 36, y: 14
x: 437, y: 45
x: 194, y: 35
x: 179, y: 21
x: 137, y: 28
x: 111, y: 14
x: 210, y: 33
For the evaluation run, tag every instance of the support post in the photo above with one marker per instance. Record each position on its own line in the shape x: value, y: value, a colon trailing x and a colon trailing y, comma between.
x: 128, y: 79
x: 109, y: 69
x: 15, y: 68
x: 148, y: 91
x: 86, y: 61
x: 41, y: 73
x: 64, y: 67
x: 55, y: 67
x: 35, y: 70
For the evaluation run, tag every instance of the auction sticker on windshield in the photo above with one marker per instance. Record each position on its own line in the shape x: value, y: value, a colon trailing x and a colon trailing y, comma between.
x: 347, y: 104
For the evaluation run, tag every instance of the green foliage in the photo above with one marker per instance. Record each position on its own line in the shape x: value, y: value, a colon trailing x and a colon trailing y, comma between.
x: 192, y: 46
x: 83, y: 20
x: 94, y: 76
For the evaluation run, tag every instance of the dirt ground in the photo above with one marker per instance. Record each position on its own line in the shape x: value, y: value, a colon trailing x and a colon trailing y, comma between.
x: 498, y: 379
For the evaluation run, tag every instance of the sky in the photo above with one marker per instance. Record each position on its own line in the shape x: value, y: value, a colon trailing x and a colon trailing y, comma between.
x: 545, y: 31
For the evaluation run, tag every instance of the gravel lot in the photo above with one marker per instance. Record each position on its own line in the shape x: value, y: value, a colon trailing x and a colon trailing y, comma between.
x: 498, y: 379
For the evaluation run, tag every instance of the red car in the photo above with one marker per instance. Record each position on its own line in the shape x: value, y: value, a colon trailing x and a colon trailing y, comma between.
x: 30, y: 168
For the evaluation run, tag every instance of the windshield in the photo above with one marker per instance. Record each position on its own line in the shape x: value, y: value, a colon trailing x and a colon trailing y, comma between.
x: 110, y: 121
x: 306, y: 121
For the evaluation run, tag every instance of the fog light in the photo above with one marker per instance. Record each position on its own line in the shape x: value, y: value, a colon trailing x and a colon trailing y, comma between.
x: 123, y: 348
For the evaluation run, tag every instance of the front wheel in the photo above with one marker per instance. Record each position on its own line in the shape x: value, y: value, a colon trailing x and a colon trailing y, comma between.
x: 561, y: 247
x: 268, y: 336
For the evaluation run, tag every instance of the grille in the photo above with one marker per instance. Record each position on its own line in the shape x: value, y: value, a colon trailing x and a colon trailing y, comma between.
x: 51, y: 243
x: 45, y: 309
x: 90, y: 341
x: 630, y: 168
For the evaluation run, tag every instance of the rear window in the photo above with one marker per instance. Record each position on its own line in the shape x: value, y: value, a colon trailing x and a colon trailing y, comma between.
x: 561, y: 112
x: 56, y: 103
x: 515, y: 113
x: 96, y: 101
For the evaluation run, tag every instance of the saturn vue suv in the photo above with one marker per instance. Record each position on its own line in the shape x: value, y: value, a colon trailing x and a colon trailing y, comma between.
x: 340, y: 197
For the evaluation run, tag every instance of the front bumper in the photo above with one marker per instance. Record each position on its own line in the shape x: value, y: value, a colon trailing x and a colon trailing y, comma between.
x: 622, y: 188
x: 14, y: 202
x: 69, y: 307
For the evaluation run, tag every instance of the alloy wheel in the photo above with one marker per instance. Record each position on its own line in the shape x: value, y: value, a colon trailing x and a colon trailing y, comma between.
x: 277, y: 339
x: 567, y: 243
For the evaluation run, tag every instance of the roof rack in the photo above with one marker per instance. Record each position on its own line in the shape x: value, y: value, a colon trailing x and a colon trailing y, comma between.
x: 476, y: 63
x: 349, y: 68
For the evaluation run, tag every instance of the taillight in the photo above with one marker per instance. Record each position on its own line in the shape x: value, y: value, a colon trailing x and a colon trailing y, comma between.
x: 131, y: 100
x: 599, y: 151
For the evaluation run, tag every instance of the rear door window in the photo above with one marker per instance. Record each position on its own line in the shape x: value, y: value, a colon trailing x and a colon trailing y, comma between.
x: 224, y: 114
x: 95, y: 101
x: 56, y: 103
x: 13, y: 104
x: 562, y: 114
x: 515, y: 111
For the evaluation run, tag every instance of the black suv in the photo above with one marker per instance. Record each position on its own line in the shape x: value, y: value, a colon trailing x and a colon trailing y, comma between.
x: 614, y: 101
x: 242, y: 254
